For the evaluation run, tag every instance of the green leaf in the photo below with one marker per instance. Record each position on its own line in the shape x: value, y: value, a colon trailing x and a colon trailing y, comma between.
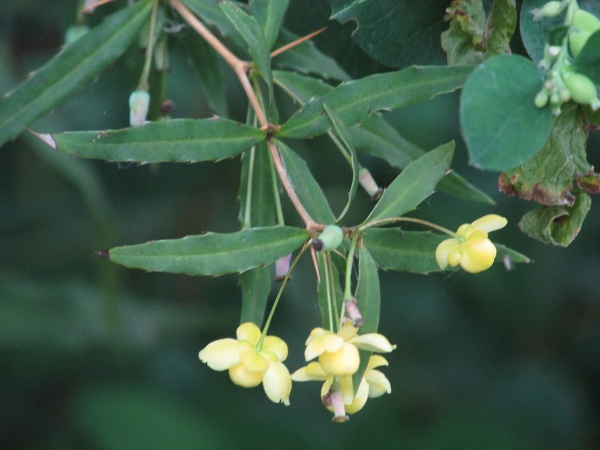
x: 342, y: 134
x: 500, y: 123
x: 300, y: 87
x: 307, y: 58
x: 557, y: 225
x: 414, y: 251
x: 414, y: 184
x: 70, y: 70
x: 329, y: 288
x: 356, y: 100
x: 376, y: 137
x: 212, y: 253
x: 308, y: 190
x: 500, y: 27
x: 397, y: 33
x: 269, y: 14
x: 256, y: 287
x: 257, y: 167
x: 368, y: 299
x: 464, y: 42
x: 548, y: 177
x: 250, y: 31
x: 182, y: 140
x: 210, y: 13
x: 588, y: 60
x: 208, y: 65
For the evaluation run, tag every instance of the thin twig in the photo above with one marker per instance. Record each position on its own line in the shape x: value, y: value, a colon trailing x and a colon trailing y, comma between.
x: 94, y: 5
x: 286, y: 47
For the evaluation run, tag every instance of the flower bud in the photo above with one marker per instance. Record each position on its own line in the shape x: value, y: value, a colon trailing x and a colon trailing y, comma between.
x: 550, y: 9
x: 353, y: 312
x: 139, y: 101
x: 368, y: 183
x: 330, y: 239
x: 541, y: 99
x: 585, y: 21
x: 582, y: 89
x: 282, y: 267
x: 577, y: 40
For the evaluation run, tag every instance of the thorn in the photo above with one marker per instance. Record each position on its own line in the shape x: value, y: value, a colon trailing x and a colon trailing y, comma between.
x: 90, y: 8
x: 46, y: 138
x: 286, y: 47
x: 103, y: 254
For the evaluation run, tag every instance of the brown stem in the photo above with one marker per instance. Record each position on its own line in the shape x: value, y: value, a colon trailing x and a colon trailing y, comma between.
x: 286, y: 47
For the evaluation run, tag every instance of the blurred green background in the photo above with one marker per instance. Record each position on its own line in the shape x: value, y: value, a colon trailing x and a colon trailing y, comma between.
x: 97, y: 356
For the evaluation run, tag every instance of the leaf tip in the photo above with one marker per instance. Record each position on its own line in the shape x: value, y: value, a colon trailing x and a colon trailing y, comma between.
x: 46, y: 138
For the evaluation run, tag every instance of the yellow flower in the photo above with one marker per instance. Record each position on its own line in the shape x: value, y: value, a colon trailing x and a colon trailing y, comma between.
x: 373, y: 384
x: 249, y: 366
x: 471, y: 247
x: 338, y: 352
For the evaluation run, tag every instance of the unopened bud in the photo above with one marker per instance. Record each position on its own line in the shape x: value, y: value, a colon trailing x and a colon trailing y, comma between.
x: 541, y: 99
x: 282, y: 267
x: 139, y: 102
x: 368, y: 183
x: 353, y: 312
x: 582, y: 89
x: 550, y: 9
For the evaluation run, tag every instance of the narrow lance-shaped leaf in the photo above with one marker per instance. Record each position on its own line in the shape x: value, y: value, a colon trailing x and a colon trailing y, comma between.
x: 250, y: 31
x: 329, y: 292
x: 414, y: 184
x: 341, y: 132
x: 212, y: 253
x: 70, y: 70
x: 182, y: 140
x: 308, y: 190
x: 256, y: 287
x: 357, y: 99
x: 269, y: 14
x: 414, y: 251
x: 300, y: 87
x: 211, y: 14
x: 368, y: 298
x: 257, y: 183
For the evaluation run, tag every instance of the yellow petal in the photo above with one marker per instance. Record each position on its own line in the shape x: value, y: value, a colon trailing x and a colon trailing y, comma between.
x: 317, y: 345
x: 455, y: 256
x: 277, y: 346
x: 311, y: 372
x: 348, y: 331
x: 491, y: 222
x: 343, y: 362
x: 376, y: 361
x: 443, y: 250
x: 373, y: 342
x: 360, y: 399
x: 316, y: 332
x: 277, y: 383
x: 248, y: 332
x: 221, y: 354
x: 478, y: 254
x: 253, y: 361
x: 378, y: 383
x: 243, y: 377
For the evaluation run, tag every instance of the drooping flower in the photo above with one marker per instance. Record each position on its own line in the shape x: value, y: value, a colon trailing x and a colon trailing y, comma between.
x: 471, y: 247
x: 249, y: 365
x: 338, y: 352
x: 373, y: 384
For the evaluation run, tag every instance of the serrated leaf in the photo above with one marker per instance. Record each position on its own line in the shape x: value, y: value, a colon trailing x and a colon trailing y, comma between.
x: 207, y: 63
x: 307, y: 58
x: 357, y: 99
x: 212, y: 253
x: 588, y: 59
x: 257, y: 167
x: 397, y: 33
x: 414, y: 251
x: 249, y: 29
x: 368, y: 299
x: 376, y: 137
x: 211, y: 14
x: 557, y: 225
x: 70, y: 70
x: 548, y: 177
x: 181, y: 140
x: 414, y: 184
x: 308, y: 190
x: 500, y: 123
x: 300, y: 87
x: 269, y: 14
x: 343, y: 136
x: 256, y: 287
